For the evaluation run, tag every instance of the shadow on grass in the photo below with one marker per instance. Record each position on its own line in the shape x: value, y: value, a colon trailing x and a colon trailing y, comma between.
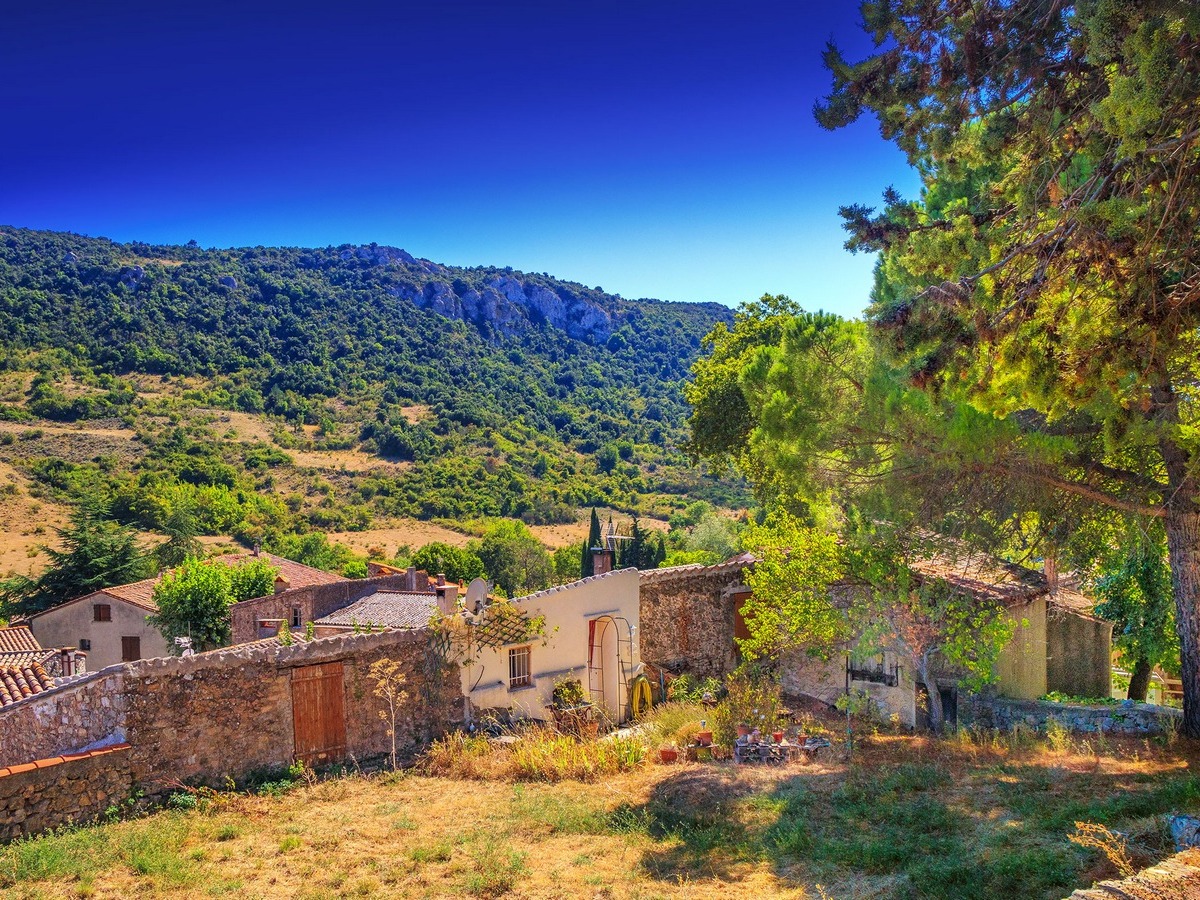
x: 914, y: 829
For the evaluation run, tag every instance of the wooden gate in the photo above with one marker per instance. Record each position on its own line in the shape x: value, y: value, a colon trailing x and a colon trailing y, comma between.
x: 318, y: 713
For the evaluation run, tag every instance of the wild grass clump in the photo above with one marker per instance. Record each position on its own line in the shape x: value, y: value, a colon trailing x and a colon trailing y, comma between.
x: 665, y: 722
x: 539, y: 754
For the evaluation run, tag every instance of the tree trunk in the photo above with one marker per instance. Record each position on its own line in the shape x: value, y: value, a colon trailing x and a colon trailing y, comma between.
x: 1182, y: 524
x: 1183, y: 546
x: 1139, y: 680
x: 936, y: 715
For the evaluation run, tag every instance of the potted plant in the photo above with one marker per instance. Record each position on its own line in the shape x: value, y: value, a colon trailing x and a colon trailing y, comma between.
x: 668, y: 753
x: 744, y: 729
x: 572, y: 712
x: 704, y: 737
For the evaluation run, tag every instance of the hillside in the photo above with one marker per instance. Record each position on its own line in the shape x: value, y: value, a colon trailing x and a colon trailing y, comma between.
x: 343, y: 388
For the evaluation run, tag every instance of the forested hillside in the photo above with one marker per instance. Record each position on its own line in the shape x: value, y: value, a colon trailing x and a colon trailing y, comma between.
x: 272, y: 390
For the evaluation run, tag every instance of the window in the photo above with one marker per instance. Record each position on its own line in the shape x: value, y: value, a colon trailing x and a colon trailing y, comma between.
x: 131, y: 649
x: 518, y: 667
x: 295, y: 617
x: 85, y: 644
x: 101, y: 612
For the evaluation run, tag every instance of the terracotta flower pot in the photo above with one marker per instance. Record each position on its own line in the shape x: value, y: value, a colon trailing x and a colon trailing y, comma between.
x: 743, y: 730
x: 704, y: 738
x: 668, y: 754
x: 778, y: 736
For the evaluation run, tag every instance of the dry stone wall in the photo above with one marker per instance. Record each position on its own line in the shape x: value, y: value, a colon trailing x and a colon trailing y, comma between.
x: 203, y: 718
x: 1004, y: 714
x: 80, y: 713
x: 62, y: 790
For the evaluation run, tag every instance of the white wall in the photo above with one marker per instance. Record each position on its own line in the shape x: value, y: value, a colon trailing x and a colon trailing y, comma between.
x: 66, y: 625
x: 562, y: 652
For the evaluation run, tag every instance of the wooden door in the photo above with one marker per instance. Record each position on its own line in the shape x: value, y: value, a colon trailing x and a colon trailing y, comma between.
x: 318, y: 713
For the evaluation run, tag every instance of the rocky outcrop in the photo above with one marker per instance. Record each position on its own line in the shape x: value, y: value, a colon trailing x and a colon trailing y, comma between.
x: 505, y: 305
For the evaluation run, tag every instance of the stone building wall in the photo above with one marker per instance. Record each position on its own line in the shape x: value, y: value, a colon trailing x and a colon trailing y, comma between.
x: 85, y: 711
x: 1078, y: 654
x: 229, y: 712
x: 63, y: 790
x: 314, y: 602
x: 688, y: 617
x: 1120, y: 718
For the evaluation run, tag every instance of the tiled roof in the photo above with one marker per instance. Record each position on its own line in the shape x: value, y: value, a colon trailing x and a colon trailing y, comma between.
x: 19, y: 682
x: 296, y: 574
x: 19, y: 658
x: 141, y: 593
x: 389, y: 609
x: 985, y: 577
x: 18, y: 638
x: 736, y: 564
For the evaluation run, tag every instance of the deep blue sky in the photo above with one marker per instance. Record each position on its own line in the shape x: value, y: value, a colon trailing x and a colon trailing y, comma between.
x: 657, y: 149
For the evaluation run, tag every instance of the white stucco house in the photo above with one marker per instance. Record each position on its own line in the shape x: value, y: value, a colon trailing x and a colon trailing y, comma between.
x: 589, y: 633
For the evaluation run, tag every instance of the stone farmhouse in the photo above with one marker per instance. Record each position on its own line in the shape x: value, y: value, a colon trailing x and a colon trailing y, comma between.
x: 110, y: 625
x: 692, y: 615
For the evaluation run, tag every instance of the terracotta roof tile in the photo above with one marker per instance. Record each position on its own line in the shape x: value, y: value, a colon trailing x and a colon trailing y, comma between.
x: 19, y: 682
x: 985, y: 577
x: 296, y: 574
x: 141, y: 593
x: 736, y: 564
x: 18, y: 658
x: 18, y: 638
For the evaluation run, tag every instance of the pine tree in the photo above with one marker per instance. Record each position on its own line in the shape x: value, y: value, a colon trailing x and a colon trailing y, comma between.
x: 95, y: 553
x: 1049, y: 275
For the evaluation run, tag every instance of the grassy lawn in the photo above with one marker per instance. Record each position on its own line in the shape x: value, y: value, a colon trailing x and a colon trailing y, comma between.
x: 908, y: 817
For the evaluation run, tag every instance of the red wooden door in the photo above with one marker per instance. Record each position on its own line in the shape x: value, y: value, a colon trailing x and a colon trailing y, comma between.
x: 318, y: 713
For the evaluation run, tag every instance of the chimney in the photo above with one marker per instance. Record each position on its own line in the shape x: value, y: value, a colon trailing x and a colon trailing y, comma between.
x: 410, y: 578
x: 602, y: 561
x: 441, y: 579
x: 254, y: 551
x: 1050, y: 570
x: 447, y: 597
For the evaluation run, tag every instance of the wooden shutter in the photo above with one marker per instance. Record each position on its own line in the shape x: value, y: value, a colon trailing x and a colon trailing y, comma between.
x: 318, y: 713
x: 131, y: 649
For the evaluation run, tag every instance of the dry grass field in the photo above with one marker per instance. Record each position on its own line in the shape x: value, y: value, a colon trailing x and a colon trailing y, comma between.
x: 906, y: 817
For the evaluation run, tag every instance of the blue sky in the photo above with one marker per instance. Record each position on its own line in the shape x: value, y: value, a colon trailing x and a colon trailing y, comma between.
x: 657, y: 149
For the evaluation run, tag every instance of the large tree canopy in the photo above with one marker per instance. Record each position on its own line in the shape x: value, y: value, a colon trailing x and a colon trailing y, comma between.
x: 1048, y: 279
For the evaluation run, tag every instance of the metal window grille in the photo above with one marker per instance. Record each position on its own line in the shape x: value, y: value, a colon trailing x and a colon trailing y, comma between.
x: 518, y: 667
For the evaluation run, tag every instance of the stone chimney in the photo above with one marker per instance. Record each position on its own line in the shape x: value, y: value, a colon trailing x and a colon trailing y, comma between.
x: 410, y: 578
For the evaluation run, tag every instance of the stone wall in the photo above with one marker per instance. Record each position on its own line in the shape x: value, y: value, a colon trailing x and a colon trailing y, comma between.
x: 229, y: 712
x: 688, y: 617
x: 62, y: 790
x: 1176, y: 878
x: 1120, y: 718
x: 315, y: 602
x: 85, y: 711
x: 1078, y: 654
